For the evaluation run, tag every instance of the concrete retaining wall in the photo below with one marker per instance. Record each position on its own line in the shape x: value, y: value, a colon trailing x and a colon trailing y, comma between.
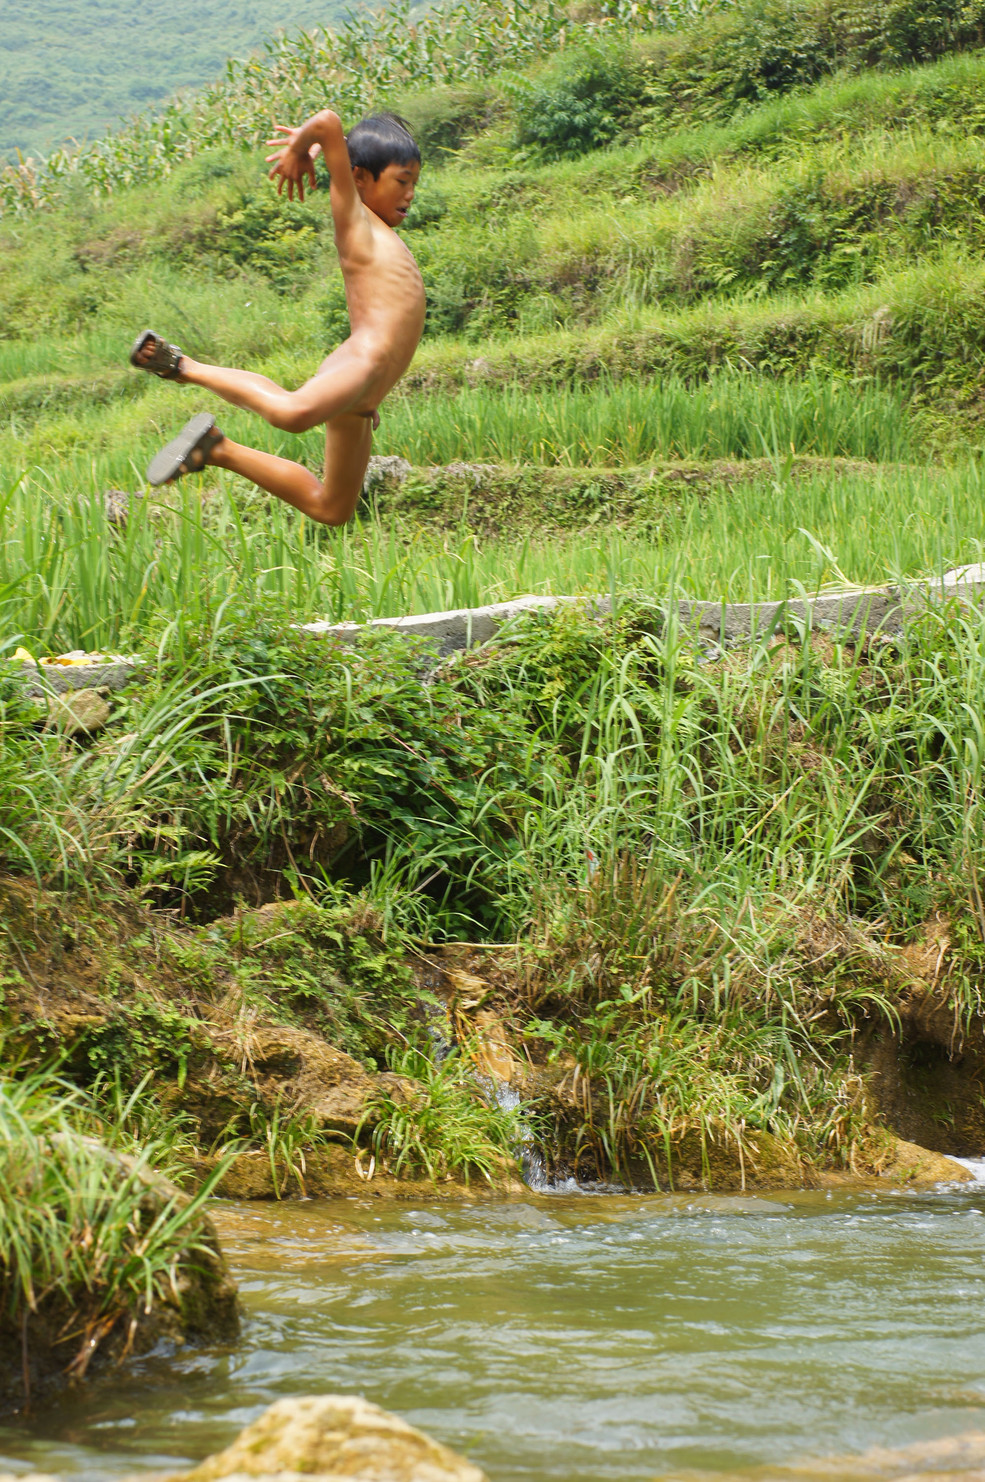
x: 863, y: 609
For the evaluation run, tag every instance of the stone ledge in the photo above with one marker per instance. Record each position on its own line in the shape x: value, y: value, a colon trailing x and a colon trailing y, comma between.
x: 858, y: 610
x: 851, y: 612
x: 58, y: 679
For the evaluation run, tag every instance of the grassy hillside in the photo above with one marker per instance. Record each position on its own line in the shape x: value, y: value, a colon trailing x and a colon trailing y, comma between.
x: 73, y: 69
x: 705, y: 315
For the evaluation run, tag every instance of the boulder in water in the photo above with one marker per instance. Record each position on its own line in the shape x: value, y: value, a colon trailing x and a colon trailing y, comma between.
x: 342, y: 1437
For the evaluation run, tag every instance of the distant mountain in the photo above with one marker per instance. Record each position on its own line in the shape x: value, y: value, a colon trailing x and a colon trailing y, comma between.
x: 74, y: 68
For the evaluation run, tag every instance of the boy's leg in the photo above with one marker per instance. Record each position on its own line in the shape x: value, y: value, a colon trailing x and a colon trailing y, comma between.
x: 331, y: 500
x: 343, y: 381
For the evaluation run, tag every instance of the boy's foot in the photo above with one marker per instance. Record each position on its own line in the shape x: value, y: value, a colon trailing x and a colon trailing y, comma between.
x: 186, y: 453
x: 152, y: 353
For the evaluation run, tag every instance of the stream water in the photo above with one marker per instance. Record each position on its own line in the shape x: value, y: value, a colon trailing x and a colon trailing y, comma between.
x: 577, y: 1338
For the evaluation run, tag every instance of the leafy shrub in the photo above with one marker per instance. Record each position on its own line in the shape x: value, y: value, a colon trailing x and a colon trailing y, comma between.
x: 581, y: 104
x: 767, y: 47
x: 916, y: 30
x: 265, y: 233
x: 306, y: 758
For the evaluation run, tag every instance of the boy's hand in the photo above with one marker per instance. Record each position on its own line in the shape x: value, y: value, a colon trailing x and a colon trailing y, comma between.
x: 294, y: 161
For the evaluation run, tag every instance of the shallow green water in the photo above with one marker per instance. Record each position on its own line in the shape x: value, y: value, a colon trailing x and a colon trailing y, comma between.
x: 578, y: 1338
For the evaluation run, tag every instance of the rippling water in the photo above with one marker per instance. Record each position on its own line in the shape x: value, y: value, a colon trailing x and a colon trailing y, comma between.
x: 578, y: 1339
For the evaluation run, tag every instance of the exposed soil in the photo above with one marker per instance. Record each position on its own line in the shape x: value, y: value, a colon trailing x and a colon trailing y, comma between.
x: 102, y: 985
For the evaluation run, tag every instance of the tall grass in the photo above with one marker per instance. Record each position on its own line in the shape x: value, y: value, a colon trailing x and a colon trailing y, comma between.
x: 795, y: 777
x: 69, y: 579
x: 449, y: 1126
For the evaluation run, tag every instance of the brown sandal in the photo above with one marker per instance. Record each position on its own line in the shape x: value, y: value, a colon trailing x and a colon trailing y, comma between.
x: 187, y: 452
x: 165, y: 359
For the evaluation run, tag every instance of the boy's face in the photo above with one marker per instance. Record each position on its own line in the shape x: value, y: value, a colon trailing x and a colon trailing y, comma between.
x: 390, y: 196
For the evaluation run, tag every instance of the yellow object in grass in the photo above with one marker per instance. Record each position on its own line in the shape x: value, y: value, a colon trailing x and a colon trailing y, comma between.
x: 76, y: 656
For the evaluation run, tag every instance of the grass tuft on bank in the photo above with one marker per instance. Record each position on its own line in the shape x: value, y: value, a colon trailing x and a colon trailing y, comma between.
x: 97, y: 1251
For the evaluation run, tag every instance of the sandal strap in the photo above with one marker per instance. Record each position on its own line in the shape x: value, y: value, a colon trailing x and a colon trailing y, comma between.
x: 195, y: 461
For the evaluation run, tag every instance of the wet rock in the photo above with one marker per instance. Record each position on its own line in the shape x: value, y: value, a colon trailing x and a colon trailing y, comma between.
x: 78, y: 712
x: 493, y: 1053
x: 907, y: 1163
x: 340, y: 1172
x: 311, y: 1075
x: 337, y: 1436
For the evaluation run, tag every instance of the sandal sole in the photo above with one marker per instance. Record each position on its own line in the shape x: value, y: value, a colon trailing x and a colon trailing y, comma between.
x: 166, y: 465
x: 138, y: 345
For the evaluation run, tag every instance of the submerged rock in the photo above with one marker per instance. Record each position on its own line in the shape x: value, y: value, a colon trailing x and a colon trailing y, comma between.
x: 337, y: 1436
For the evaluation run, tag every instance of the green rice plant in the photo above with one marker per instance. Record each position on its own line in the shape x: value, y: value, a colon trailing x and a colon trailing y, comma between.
x: 70, y: 579
x: 441, y: 1121
x: 730, y: 416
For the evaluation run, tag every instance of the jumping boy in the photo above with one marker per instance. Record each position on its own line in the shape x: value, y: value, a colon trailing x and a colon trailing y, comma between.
x: 373, y: 175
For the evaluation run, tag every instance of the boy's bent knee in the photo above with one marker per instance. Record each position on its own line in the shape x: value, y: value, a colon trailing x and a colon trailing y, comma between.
x: 293, y: 417
x: 331, y: 509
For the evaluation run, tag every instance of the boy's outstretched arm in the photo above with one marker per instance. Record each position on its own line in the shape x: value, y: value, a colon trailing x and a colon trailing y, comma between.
x: 294, y: 160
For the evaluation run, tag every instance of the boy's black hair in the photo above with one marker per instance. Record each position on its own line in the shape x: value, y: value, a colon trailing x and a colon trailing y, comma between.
x: 380, y: 140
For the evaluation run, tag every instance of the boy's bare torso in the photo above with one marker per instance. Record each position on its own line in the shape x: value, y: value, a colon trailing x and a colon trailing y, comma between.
x: 385, y: 296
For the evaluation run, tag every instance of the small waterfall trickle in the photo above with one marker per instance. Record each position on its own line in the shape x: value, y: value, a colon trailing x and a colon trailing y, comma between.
x: 531, y: 1161
x: 436, y: 1024
x: 532, y: 1164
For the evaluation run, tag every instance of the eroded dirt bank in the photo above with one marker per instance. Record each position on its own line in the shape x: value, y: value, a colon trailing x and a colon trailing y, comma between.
x: 269, y: 1041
